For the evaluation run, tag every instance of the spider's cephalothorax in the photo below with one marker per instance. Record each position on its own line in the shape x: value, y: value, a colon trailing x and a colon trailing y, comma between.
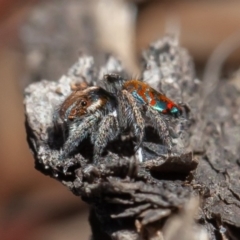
x: 89, y: 112
x: 137, y: 100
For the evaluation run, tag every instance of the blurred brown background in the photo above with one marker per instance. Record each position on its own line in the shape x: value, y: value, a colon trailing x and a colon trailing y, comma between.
x: 41, y: 40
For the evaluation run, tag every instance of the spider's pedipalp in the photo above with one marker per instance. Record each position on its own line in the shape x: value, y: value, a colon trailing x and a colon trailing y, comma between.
x: 131, y: 113
x: 160, y: 125
x: 79, y: 131
x: 108, y: 130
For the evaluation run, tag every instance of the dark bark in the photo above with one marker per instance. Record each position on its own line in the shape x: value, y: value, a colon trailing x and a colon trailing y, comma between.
x: 132, y: 200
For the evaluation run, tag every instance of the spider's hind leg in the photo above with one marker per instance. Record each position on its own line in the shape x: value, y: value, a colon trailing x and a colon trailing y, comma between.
x: 160, y: 125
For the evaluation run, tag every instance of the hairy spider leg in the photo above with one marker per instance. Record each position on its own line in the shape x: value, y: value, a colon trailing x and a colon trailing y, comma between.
x: 132, y: 114
x: 113, y: 82
x: 79, y: 130
x: 108, y: 130
x: 160, y: 125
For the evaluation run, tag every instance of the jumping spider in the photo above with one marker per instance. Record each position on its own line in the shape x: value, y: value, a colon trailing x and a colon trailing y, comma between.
x: 104, y: 114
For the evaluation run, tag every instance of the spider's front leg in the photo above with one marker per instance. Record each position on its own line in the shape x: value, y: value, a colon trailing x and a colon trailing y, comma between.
x: 79, y: 130
x: 108, y: 130
x: 130, y: 115
x: 160, y: 125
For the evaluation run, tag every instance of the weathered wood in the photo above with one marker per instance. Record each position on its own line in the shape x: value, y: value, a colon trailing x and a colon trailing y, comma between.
x: 133, y: 200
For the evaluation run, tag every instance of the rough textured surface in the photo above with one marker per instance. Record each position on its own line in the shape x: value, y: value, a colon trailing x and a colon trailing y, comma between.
x: 132, y: 200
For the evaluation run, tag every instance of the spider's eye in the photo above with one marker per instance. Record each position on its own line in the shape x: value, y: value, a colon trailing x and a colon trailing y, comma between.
x: 83, y: 103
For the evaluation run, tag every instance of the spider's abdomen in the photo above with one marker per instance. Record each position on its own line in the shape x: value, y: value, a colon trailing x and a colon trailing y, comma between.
x: 144, y: 94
